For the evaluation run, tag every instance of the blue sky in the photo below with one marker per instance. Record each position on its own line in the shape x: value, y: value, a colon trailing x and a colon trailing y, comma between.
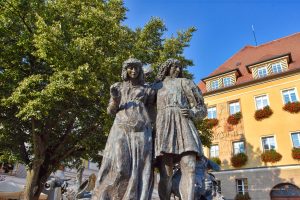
x: 223, y: 26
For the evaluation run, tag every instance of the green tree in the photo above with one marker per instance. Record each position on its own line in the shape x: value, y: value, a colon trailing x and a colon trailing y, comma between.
x: 57, y: 61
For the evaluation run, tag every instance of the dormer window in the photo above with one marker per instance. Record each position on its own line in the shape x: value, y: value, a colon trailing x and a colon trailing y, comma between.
x: 277, y: 68
x: 262, y: 72
x: 215, y: 84
x: 273, y: 65
x: 222, y: 80
x: 227, y: 81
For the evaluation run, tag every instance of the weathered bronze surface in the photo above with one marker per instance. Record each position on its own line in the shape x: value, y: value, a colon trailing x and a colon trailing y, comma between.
x: 179, y: 102
x: 126, y: 169
x: 126, y: 172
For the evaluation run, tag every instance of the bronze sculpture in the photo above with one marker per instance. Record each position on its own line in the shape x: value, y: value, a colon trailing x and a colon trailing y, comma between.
x: 179, y: 101
x: 126, y: 169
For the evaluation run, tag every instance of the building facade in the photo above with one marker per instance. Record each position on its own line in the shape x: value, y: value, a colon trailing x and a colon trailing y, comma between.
x: 253, y: 104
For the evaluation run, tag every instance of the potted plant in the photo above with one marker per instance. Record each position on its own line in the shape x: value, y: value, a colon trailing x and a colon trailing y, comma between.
x: 292, y: 107
x: 216, y: 160
x: 263, y: 113
x: 271, y: 156
x: 239, y: 160
x: 242, y: 196
x: 235, y: 118
x: 212, y: 122
x: 296, y: 153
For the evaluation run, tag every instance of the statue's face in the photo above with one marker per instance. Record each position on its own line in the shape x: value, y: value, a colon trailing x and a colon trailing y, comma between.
x: 174, y: 71
x: 133, y: 71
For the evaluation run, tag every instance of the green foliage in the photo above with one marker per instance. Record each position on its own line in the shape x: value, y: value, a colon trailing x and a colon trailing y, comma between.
x: 57, y: 62
x: 205, y: 131
x: 216, y: 160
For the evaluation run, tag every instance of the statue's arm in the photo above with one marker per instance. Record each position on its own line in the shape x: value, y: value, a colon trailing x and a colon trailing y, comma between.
x: 151, y: 102
x: 195, y: 98
x: 115, y: 98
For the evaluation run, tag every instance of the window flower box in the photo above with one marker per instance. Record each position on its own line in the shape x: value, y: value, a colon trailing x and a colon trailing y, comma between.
x: 263, y: 113
x: 242, y: 197
x: 271, y: 156
x: 296, y: 153
x: 239, y: 160
x: 235, y: 118
x: 212, y: 122
x: 216, y: 160
x: 292, y: 107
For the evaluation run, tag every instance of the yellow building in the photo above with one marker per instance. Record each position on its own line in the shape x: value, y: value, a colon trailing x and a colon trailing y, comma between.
x: 258, y: 82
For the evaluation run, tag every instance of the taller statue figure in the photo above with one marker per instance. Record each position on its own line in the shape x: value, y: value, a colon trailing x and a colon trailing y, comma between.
x: 179, y: 101
x: 126, y: 169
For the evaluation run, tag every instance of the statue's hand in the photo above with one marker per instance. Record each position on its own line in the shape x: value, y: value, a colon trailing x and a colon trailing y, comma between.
x: 114, y: 91
x: 187, y: 113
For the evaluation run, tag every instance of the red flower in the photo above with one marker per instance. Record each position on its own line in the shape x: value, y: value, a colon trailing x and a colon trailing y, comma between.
x: 296, y: 153
x: 292, y: 107
x: 271, y: 156
x: 234, y: 119
x: 239, y: 160
x: 263, y: 113
x: 212, y: 122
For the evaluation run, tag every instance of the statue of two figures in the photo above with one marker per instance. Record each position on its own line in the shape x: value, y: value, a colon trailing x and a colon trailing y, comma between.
x: 153, y: 123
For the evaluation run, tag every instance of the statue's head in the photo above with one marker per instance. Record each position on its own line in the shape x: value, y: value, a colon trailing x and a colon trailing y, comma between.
x: 171, y: 67
x: 133, y: 69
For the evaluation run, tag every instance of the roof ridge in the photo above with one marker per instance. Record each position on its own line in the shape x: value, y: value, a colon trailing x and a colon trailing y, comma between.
x: 278, y: 39
x: 240, y: 50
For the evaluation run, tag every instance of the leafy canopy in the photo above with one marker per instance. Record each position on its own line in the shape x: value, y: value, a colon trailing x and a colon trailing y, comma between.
x: 57, y: 61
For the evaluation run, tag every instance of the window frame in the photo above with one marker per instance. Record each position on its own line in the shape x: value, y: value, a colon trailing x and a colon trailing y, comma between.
x: 276, y: 64
x: 233, y: 148
x: 230, y: 81
x: 295, y: 132
x: 245, y: 187
x: 286, y: 89
x: 256, y: 96
x: 259, y: 68
x: 211, y: 84
x: 215, y: 111
x: 210, y: 155
x: 267, y: 136
x: 232, y: 102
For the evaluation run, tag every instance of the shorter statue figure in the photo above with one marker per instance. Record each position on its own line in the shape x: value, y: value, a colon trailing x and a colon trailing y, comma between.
x: 205, y: 185
x: 179, y: 101
x: 126, y: 169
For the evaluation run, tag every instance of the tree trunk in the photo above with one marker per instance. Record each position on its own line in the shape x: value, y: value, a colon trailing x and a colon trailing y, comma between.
x: 35, y: 180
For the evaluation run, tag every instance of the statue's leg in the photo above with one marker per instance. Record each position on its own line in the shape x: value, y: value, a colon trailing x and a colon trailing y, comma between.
x: 165, y: 180
x: 187, y: 182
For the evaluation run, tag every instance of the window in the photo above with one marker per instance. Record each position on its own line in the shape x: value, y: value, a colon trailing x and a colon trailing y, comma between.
x: 241, y: 186
x: 227, y: 81
x: 296, y: 139
x: 214, y: 84
x: 214, y: 151
x: 261, y: 102
x: 289, y: 95
x: 238, y: 147
x: 262, y: 72
x: 234, y: 108
x: 212, y: 113
x: 268, y: 143
x: 277, y: 68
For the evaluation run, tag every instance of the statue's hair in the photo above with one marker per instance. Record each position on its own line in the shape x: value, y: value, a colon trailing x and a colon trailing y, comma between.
x: 164, y: 69
x: 133, y: 62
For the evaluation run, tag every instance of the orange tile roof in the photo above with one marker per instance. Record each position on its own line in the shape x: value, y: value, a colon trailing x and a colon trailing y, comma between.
x: 253, y: 54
